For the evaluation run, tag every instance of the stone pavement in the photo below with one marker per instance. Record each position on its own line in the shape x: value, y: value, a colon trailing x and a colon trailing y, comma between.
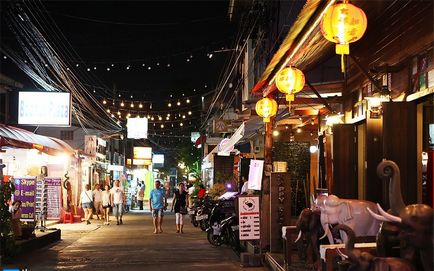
x: 131, y: 246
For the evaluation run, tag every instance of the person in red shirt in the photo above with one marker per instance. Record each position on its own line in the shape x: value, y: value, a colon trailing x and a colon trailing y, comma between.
x: 201, y: 192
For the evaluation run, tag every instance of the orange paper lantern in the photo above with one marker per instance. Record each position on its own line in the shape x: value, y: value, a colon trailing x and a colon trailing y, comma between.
x: 290, y: 80
x: 266, y: 108
x: 343, y: 23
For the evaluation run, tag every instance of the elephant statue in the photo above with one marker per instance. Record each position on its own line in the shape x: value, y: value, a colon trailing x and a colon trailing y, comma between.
x: 350, y: 212
x: 309, y: 231
x: 415, y: 221
x: 364, y: 261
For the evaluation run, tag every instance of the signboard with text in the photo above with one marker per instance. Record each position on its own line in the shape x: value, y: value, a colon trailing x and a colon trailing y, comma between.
x: 142, y: 153
x: 53, y: 198
x: 255, y: 174
x: 44, y: 108
x: 248, y: 212
x: 25, y: 192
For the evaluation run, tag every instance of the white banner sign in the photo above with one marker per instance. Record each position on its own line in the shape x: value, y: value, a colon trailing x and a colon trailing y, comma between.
x: 248, y: 212
x: 255, y: 174
x: 44, y: 108
x: 137, y: 128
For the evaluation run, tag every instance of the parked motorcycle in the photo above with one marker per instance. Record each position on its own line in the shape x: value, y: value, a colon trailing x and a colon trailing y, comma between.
x: 225, y: 232
x: 223, y: 229
x: 203, y: 213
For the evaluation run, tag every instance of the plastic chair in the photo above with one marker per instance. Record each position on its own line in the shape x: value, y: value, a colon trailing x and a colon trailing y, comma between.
x: 67, y: 217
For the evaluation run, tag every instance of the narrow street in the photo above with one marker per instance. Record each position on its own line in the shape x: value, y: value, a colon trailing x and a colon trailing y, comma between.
x: 131, y: 246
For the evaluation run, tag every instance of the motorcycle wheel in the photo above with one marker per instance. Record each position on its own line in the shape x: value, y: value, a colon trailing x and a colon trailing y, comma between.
x: 203, y: 225
x: 214, y: 240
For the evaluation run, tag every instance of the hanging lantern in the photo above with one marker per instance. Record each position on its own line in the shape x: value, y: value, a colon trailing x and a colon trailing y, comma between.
x: 343, y: 23
x: 266, y: 108
x: 290, y: 80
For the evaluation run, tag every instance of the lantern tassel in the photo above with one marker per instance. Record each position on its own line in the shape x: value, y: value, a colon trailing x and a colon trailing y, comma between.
x: 343, y: 63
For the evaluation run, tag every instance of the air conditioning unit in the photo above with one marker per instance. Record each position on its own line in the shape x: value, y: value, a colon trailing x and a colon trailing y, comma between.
x: 257, y: 149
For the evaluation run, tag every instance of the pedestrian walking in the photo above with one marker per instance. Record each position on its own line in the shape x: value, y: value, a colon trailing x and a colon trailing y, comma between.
x: 157, y: 204
x: 86, y: 203
x: 97, y: 201
x: 118, y: 200
x: 140, y: 195
x: 106, y: 203
x: 180, y: 205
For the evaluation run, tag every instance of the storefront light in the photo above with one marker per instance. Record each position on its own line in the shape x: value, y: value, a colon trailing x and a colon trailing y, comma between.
x: 313, y: 149
x: 276, y: 133
x: 334, y: 119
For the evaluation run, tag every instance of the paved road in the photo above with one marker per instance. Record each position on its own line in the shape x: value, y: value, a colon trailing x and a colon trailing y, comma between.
x: 132, y: 246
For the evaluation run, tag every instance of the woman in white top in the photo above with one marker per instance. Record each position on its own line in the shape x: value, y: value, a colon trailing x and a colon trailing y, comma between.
x: 86, y: 203
x: 106, y: 203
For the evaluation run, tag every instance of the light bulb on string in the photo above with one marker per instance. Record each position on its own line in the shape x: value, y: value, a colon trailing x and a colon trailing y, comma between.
x: 108, y: 69
x: 168, y: 65
x: 178, y: 103
x: 181, y: 124
x: 158, y: 63
x: 88, y: 69
x: 160, y: 118
x: 150, y: 106
x: 94, y: 68
x: 119, y: 112
x: 122, y: 104
x: 168, y: 114
x: 113, y: 65
x: 152, y: 118
x: 140, y: 105
x: 128, y: 67
x: 169, y: 105
x: 112, y: 115
x: 183, y: 116
x: 75, y: 65
x: 129, y: 115
x: 108, y: 110
x: 189, y: 112
x: 132, y: 105
x: 131, y: 96
x: 119, y: 95
x: 149, y: 68
x: 187, y: 101
x: 104, y: 101
x: 162, y: 125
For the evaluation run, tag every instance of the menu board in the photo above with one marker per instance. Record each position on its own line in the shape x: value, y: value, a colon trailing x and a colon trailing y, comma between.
x: 53, y: 197
x: 25, y: 192
x: 248, y: 212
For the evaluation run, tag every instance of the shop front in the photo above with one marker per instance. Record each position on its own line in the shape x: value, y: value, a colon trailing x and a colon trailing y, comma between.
x: 44, y: 171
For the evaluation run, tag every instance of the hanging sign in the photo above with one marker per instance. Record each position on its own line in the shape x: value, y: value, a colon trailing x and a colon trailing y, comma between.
x: 255, y: 174
x: 137, y: 128
x: 25, y: 192
x: 90, y: 142
x: 248, y: 212
x: 53, y: 198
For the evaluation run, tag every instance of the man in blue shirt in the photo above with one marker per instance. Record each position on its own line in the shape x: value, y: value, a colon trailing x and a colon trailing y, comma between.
x: 157, y: 204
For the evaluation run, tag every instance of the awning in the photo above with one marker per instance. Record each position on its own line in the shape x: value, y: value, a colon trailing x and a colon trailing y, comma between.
x: 227, y: 147
x: 20, y: 138
x: 303, y: 34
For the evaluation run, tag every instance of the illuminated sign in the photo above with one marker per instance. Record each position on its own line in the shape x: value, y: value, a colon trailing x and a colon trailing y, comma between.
x: 137, y: 128
x: 158, y: 160
x: 194, y: 136
x: 142, y: 153
x: 141, y: 162
x: 44, y: 108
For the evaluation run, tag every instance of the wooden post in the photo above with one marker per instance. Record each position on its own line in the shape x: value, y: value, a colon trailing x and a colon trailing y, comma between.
x: 265, y: 199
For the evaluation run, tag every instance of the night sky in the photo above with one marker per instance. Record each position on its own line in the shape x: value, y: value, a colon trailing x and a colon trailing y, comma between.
x: 153, y: 49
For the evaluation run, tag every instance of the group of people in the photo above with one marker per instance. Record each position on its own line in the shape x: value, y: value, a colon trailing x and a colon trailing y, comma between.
x: 102, y: 201
x: 114, y: 198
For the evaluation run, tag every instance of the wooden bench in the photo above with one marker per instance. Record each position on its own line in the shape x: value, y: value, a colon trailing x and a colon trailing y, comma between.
x: 329, y: 253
